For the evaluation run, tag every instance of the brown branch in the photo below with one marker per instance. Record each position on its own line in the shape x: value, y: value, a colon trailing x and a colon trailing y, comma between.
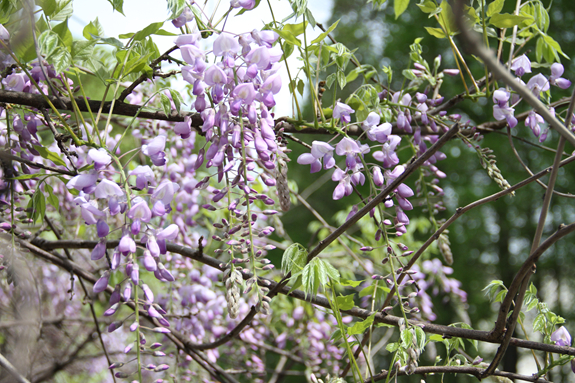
x: 446, y: 331
x: 7, y: 155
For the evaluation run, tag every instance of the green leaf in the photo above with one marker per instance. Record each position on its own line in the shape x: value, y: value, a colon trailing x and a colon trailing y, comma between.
x: 330, y: 80
x: 406, y: 338
x: 495, y: 7
x: 500, y: 296
x: 367, y: 291
x: 48, y: 42
x: 62, y: 10
x: 176, y: 7
x: 51, y: 156
x: 52, y: 199
x: 113, y: 42
x: 345, y: 302
x: 294, y: 258
x: 539, y: 323
x: 427, y: 6
x: 436, y: 338
x: 399, y: 7
x: 331, y: 271
x: 149, y: 30
x: 295, y: 29
x: 360, y: 327
x: 38, y: 206
x: 506, y: 20
x: 83, y: 50
x: 135, y: 63
x: 447, y: 18
x: 324, y: 34
x: 392, y: 347
x: 436, y: 32
x: 61, y: 59
x: 177, y: 99
x: 163, y: 32
x: 300, y: 86
x: 94, y: 28
x: 288, y: 37
x: 28, y: 176
x: 419, y: 337
x: 288, y: 50
x: 341, y: 80
x: 65, y: 34
x: 118, y: 5
x: 166, y: 104
x: 347, y: 282
x: 555, y: 45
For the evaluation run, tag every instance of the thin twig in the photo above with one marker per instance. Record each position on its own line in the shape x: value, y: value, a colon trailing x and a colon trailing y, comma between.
x: 5, y: 364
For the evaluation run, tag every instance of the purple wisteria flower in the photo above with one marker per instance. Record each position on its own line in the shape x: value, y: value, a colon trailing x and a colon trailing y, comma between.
x: 521, y: 65
x: 16, y: 82
x: 342, y: 111
x: 144, y: 176
x: 185, y: 17
x: 246, y: 4
x: 533, y: 121
x: 556, y: 79
x: 538, y: 84
x: 83, y: 182
x: 155, y: 150
x: 501, y: 109
x: 100, y: 157
x: 387, y: 153
x: 561, y: 337
x: 319, y: 150
x: 350, y: 149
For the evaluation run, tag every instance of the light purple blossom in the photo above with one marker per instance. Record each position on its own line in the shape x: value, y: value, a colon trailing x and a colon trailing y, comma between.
x: 15, y: 81
x: 183, y: 129
x: 169, y: 233
x: 561, y: 337
x: 556, y: 79
x: 83, y: 182
x: 226, y: 44
x: 165, y: 192
x: 342, y: 111
x: 538, y: 84
x: 505, y: 113
x: 260, y: 57
x: 350, y: 149
x: 100, y: 157
x: 246, y: 4
x: 521, y: 65
x: 186, y: 16
x: 266, y: 38
x: 102, y: 283
x: 106, y: 189
x: 140, y: 211
x: 532, y: 121
x: 387, y: 153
